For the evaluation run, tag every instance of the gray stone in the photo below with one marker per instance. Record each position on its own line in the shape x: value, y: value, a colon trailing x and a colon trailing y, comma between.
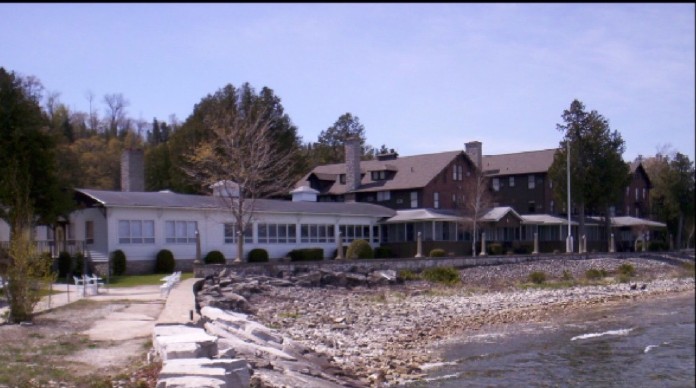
x: 191, y: 382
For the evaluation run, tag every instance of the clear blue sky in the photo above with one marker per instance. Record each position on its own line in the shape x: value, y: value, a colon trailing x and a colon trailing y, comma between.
x: 421, y: 77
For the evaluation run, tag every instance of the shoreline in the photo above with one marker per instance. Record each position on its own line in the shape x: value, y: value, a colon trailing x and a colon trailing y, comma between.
x: 388, y: 335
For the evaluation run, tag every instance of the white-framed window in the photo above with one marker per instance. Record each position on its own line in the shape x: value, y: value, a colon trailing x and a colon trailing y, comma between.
x: 511, y: 181
x: 457, y: 172
x: 436, y: 200
x: 383, y: 196
x: 628, y: 210
x: 354, y: 232
x: 317, y: 233
x: 379, y: 175
x: 454, y: 199
x: 550, y: 184
x: 89, y: 232
x: 551, y: 207
x: 414, y: 199
x: 342, y: 178
x: 531, y: 181
x: 612, y: 211
x: 276, y: 233
x: 496, y: 184
x: 230, y: 231
x: 643, y: 192
x: 136, y: 231
x: 180, y: 232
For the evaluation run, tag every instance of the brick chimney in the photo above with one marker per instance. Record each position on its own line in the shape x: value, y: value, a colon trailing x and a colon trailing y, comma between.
x: 352, y: 150
x: 474, y: 149
x: 132, y: 170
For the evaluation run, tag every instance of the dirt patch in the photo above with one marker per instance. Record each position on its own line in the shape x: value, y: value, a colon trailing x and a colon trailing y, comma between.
x: 57, y: 349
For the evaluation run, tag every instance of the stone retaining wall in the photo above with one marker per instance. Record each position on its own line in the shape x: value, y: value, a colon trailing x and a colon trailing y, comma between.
x: 413, y: 264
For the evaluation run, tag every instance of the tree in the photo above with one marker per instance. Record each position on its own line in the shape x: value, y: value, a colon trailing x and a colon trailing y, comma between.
x: 472, y: 201
x: 672, y: 196
x: 598, y: 173
x: 118, y: 122
x: 330, y: 149
x: 29, y: 189
x: 242, y: 155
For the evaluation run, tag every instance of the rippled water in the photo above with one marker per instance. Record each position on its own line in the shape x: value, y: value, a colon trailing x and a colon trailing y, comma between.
x: 635, y: 344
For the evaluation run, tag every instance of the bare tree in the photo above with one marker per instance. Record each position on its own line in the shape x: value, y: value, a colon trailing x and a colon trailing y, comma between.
x: 473, y: 201
x: 243, y: 160
x: 116, y: 111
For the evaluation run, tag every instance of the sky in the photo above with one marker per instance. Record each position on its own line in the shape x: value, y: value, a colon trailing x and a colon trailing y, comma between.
x: 421, y: 78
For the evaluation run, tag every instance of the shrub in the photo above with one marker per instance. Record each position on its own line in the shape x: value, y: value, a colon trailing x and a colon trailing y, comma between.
x: 627, y: 269
x: 567, y: 276
x: 537, y: 277
x: 64, y: 264
x: 444, y: 275
x: 407, y: 274
x: 118, y: 262
x: 214, y: 257
x: 383, y: 253
x: 495, y: 249
x: 658, y: 246
x: 437, y: 252
x: 164, y: 262
x: 521, y: 248
x: 360, y: 249
x: 258, y: 255
x: 306, y: 254
x: 594, y: 273
x: 79, y: 260
x: 623, y: 278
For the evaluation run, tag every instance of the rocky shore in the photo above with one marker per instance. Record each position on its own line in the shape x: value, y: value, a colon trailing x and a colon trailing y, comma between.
x: 383, y: 331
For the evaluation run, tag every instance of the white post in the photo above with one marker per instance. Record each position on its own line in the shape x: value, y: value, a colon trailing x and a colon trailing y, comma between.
x: 419, y: 246
x: 536, y: 244
x: 483, y: 244
x: 339, y: 246
x: 611, y: 243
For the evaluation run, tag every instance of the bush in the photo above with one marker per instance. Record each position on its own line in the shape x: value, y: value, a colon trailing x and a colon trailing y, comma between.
x: 444, y: 275
x: 658, y: 246
x: 360, y: 249
x: 335, y: 252
x: 79, y: 260
x: 537, y: 277
x: 258, y: 255
x: 594, y: 273
x: 164, y: 262
x: 567, y: 276
x: 407, y: 274
x: 437, y: 252
x: 522, y: 248
x: 306, y: 254
x: 383, y: 253
x: 214, y: 257
x: 118, y: 262
x: 64, y: 264
x: 627, y: 269
x: 495, y: 249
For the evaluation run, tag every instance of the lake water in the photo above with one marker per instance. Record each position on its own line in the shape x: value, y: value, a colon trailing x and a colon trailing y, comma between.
x: 634, y: 344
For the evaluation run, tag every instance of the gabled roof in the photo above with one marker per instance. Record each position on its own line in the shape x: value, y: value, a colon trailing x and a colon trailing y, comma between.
x: 411, y: 172
x: 203, y: 202
x: 497, y: 213
x: 545, y: 219
x: 628, y: 221
x: 415, y: 215
x: 518, y: 163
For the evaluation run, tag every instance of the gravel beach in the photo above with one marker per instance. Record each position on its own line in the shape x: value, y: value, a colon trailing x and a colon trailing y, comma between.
x: 386, y: 335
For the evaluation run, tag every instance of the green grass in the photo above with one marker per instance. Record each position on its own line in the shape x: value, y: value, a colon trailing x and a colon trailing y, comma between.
x: 141, y: 280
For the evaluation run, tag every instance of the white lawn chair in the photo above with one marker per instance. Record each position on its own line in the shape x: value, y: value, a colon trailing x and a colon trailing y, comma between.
x: 79, y: 285
x: 95, y: 282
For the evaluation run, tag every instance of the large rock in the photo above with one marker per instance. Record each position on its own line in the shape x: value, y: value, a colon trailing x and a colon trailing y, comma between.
x: 233, y: 372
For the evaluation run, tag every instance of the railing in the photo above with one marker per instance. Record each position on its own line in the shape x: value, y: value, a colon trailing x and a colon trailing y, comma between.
x: 50, y: 246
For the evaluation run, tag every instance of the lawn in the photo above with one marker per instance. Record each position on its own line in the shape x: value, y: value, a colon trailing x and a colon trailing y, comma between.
x: 142, y: 280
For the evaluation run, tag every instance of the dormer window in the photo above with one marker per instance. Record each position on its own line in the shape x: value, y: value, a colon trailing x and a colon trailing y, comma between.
x: 342, y: 178
x: 379, y: 175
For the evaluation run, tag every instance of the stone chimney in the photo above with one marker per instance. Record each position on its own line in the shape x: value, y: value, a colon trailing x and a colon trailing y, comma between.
x: 474, y: 149
x: 132, y: 170
x: 352, y: 149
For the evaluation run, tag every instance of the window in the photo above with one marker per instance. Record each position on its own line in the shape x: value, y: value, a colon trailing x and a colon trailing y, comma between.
x: 136, y: 232
x: 644, y: 193
x: 454, y: 199
x: 511, y: 181
x: 180, y: 232
x: 414, y: 199
x: 531, y: 183
x: 355, y: 232
x: 551, y: 209
x: 628, y: 210
x: 496, y: 184
x: 231, y: 234
x: 436, y: 200
x: 379, y: 175
x: 276, y: 233
x: 342, y: 178
x: 612, y: 211
x: 628, y: 191
x: 550, y: 184
x: 532, y: 206
x: 637, y: 212
x: 317, y: 233
x: 457, y: 172
x: 636, y: 193
x: 383, y: 196
x: 89, y: 232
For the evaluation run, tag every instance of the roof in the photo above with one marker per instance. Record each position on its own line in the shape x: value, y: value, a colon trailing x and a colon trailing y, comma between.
x: 518, y: 163
x: 545, y: 219
x: 203, y: 202
x: 627, y: 221
x: 415, y: 215
x: 497, y: 213
x: 411, y: 172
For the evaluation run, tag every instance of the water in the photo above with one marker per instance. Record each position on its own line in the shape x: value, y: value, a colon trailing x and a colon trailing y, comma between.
x: 634, y: 344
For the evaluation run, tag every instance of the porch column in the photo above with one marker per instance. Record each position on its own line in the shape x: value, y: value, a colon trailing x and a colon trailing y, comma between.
x: 483, y: 244
x: 339, y: 246
x: 583, y: 245
x: 419, y: 245
x: 611, y: 243
x: 645, y: 242
x: 536, y: 244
